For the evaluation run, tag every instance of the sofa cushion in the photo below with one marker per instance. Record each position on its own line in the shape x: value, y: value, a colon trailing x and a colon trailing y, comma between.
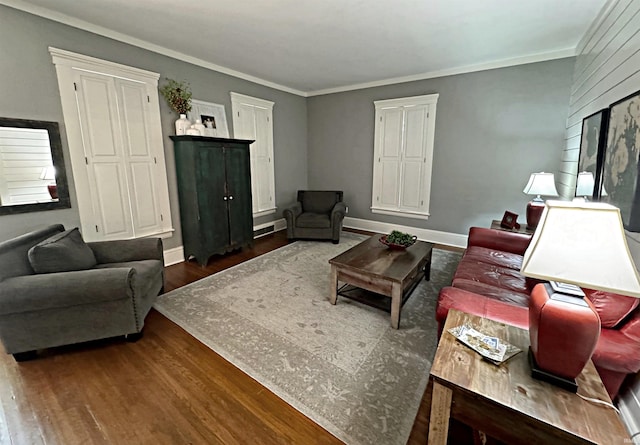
x: 313, y: 221
x: 612, y: 308
x: 481, y: 305
x: 497, y: 293
x: 63, y: 252
x: 495, y: 257
x: 319, y: 201
x: 497, y: 276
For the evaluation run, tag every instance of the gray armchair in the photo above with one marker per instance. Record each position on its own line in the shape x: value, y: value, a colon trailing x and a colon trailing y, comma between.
x: 46, y: 309
x: 316, y: 215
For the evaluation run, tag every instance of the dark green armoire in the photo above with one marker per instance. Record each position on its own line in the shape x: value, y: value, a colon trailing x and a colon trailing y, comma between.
x: 214, y: 188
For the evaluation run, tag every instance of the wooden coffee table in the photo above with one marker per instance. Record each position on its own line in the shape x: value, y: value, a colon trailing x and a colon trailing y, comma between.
x: 379, y: 276
x: 506, y: 403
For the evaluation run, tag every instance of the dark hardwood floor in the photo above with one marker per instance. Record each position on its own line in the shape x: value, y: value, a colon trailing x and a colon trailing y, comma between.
x: 167, y: 388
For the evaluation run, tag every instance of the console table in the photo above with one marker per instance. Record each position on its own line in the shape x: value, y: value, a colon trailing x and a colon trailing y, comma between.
x: 506, y: 403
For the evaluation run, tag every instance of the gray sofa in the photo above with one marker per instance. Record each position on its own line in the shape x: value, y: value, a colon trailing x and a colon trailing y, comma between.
x: 316, y: 215
x: 46, y: 309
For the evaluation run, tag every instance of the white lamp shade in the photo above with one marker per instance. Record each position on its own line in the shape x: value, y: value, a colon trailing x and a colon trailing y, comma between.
x: 582, y: 243
x: 541, y: 184
x: 48, y: 173
x: 585, y: 185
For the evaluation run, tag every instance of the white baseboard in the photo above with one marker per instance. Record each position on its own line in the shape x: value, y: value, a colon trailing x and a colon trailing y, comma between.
x: 176, y: 255
x: 432, y: 236
x: 173, y: 256
x: 278, y: 225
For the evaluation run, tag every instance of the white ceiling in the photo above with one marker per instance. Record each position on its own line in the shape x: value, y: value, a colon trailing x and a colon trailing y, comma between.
x: 315, y: 46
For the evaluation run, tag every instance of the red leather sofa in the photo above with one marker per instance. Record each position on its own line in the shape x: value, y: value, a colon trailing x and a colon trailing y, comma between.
x: 488, y: 283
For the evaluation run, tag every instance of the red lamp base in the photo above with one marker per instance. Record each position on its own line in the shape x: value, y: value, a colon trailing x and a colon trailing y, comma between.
x: 534, y: 213
x: 53, y: 191
x: 564, y: 330
x: 540, y: 374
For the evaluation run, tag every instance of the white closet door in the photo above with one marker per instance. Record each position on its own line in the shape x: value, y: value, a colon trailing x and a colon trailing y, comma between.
x: 388, y: 163
x: 140, y: 163
x: 414, y: 159
x: 104, y: 155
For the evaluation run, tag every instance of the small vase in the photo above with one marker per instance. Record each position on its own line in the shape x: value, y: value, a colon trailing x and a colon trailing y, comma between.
x: 182, y: 125
x: 193, y: 131
x: 199, y: 126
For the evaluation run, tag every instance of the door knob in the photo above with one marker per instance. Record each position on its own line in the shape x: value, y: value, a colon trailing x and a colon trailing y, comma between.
x: 225, y: 198
x: 230, y: 197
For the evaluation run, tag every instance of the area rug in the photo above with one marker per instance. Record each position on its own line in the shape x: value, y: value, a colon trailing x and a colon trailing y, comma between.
x: 343, y: 366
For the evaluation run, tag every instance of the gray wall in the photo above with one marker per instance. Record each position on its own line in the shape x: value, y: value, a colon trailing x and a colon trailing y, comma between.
x: 493, y: 129
x: 30, y: 91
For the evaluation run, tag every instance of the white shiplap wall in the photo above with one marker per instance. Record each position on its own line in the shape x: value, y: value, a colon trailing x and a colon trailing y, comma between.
x: 607, y: 69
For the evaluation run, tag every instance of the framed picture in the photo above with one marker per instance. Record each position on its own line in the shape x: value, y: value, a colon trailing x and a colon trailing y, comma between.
x: 212, y: 116
x: 619, y: 185
x: 592, y: 146
x: 510, y: 221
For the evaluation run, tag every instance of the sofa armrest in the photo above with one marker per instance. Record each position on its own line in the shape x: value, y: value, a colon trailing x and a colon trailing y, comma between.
x: 630, y: 327
x: 339, y: 211
x: 499, y: 240
x: 291, y: 213
x: 38, y: 292
x: 120, y: 251
x: 616, y: 351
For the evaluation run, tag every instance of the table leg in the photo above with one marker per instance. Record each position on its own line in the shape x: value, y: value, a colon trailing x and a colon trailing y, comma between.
x: 440, y: 413
x: 333, y: 296
x: 396, y: 303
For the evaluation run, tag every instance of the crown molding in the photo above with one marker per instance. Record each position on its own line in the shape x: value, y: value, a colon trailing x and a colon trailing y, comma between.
x: 105, y: 32
x: 532, y: 58
x: 124, y: 38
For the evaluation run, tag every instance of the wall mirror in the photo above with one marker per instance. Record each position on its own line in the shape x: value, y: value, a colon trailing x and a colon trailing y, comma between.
x: 32, y: 172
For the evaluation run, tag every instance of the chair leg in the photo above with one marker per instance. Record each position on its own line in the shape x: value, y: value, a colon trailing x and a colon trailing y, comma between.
x: 25, y: 356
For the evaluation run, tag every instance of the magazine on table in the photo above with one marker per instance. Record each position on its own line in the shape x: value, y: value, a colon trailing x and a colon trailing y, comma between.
x: 491, y: 348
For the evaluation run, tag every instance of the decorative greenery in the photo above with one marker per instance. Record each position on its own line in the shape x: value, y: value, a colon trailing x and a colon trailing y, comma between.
x: 402, y: 239
x: 178, y: 95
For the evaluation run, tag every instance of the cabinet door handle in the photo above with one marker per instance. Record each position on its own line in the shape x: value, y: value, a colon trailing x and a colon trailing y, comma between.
x: 225, y: 198
x: 230, y: 197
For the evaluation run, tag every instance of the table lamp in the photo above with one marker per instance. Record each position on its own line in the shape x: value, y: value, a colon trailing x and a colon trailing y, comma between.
x: 539, y: 184
x: 49, y: 174
x: 576, y: 244
x: 585, y: 186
